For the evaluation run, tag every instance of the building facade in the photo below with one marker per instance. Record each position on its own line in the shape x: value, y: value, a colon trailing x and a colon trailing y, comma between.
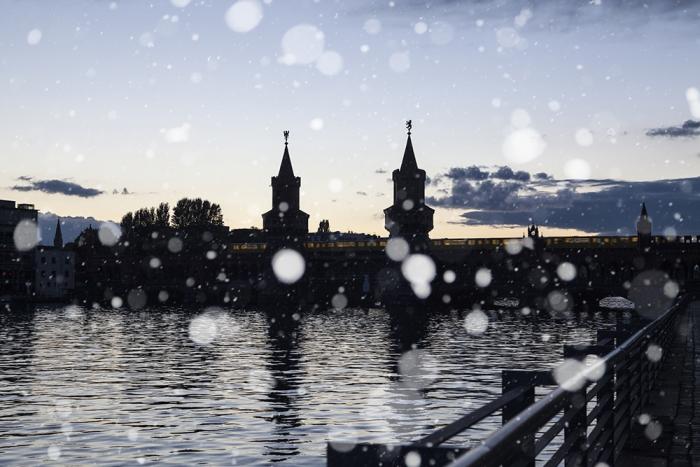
x: 16, y: 267
x: 54, y: 269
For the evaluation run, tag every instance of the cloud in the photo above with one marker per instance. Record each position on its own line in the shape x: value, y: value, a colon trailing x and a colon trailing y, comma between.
x: 552, y: 15
x: 62, y: 187
x: 595, y: 206
x: 380, y: 171
x: 676, y: 8
x: 178, y: 134
x: 688, y: 129
x: 123, y: 191
x: 361, y: 193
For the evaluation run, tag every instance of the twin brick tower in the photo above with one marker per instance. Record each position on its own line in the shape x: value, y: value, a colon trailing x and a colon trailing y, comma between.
x: 407, y: 217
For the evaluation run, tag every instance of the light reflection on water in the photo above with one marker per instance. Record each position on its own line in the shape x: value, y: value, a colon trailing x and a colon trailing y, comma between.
x: 116, y: 387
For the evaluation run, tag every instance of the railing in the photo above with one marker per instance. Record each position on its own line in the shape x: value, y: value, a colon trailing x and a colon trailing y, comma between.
x: 594, y: 408
x: 596, y: 418
x: 490, y: 243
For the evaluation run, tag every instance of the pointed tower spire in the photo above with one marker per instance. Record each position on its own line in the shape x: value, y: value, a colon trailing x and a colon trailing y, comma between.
x: 286, y: 171
x: 58, y: 235
x: 644, y: 237
x: 409, y: 164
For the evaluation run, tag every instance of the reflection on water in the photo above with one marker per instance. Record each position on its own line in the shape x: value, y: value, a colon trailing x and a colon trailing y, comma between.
x: 84, y: 386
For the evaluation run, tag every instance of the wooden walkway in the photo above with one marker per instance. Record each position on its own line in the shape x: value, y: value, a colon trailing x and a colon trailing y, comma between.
x: 670, y: 435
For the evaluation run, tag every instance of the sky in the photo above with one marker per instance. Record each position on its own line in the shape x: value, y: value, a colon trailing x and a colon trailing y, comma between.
x: 567, y: 114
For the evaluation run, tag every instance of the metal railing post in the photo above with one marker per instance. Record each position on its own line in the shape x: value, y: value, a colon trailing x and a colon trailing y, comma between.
x: 576, y: 430
x: 511, y: 379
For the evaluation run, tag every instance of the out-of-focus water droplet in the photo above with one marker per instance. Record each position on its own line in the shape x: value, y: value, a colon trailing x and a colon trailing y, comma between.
x: 175, y: 245
x: 476, y: 322
x: 33, y: 38
x: 566, y: 271
x: 288, y: 265
x: 523, y: 145
x: 412, y: 459
x: 244, y: 15
x: 330, y: 63
x: 339, y: 301
x: 203, y: 329
x: 397, y: 249
x: 654, y: 353
x: 26, y: 235
x: 483, y: 277
x: 569, y: 375
x: 109, y: 233
x: 302, y: 44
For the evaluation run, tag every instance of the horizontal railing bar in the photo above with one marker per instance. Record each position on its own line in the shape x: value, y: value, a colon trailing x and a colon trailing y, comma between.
x: 620, y: 444
x: 598, y: 444
x: 621, y: 414
x: 554, y: 430
x: 458, y: 426
x: 561, y: 452
x: 529, y: 420
x: 599, y: 427
x: 599, y: 407
x: 598, y: 385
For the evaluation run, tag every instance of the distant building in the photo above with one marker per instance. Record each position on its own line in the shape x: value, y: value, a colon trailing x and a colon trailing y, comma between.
x: 16, y: 268
x: 286, y: 221
x: 54, y: 269
x: 409, y: 217
x: 644, y: 228
x: 324, y: 234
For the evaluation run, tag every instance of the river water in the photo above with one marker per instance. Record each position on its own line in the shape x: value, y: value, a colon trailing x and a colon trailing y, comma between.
x: 85, y: 386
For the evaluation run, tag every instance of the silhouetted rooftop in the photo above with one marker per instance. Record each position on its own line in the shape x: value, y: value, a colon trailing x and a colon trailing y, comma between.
x: 408, y: 164
x: 286, y: 170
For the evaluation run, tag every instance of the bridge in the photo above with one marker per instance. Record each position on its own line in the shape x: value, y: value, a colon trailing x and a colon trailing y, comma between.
x: 628, y: 399
x: 536, y: 271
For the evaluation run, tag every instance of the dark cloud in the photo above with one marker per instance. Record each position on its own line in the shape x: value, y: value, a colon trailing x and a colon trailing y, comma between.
x: 468, y: 173
x: 361, y: 193
x: 380, y: 171
x: 596, y: 206
x: 506, y: 173
x: 123, y: 191
x: 550, y: 14
x: 689, y: 129
x: 56, y: 187
x: 476, y: 173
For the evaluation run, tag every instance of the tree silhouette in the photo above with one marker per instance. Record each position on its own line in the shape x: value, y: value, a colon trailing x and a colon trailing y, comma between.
x: 196, y: 213
x: 162, y: 217
x: 147, y: 218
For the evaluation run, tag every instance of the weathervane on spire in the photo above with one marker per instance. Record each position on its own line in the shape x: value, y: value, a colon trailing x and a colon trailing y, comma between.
x: 286, y: 136
x: 409, y: 125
